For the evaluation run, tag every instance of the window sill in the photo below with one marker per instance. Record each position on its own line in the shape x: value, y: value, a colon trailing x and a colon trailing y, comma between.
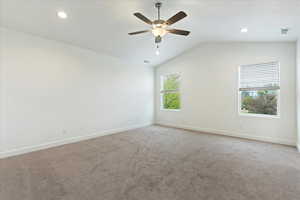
x: 259, y: 115
x: 171, y: 110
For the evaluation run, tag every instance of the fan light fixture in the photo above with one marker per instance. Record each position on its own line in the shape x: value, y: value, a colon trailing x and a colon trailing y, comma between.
x: 159, y: 32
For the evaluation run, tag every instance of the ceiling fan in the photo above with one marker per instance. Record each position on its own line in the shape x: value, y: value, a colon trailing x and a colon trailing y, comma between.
x: 159, y: 26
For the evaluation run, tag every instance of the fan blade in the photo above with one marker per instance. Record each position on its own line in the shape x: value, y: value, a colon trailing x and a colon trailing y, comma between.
x: 138, y: 32
x: 179, y: 32
x: 143, y: 18
x: 180, y: 15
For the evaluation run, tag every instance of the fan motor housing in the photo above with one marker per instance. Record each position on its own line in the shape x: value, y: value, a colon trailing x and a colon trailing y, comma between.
x: 158, y: 4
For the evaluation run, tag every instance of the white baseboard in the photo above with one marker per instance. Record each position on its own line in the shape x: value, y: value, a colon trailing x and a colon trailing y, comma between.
x: 231, y: 134
x: 29, y: 149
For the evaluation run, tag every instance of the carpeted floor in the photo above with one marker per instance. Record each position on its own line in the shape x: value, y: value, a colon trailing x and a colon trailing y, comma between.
x: 155, y: 163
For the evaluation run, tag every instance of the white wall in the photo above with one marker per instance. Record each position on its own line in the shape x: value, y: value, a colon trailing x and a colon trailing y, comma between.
x: 298, y: 92
x: 210, y: 91
x: 1, y: 96
x: 53, y: 91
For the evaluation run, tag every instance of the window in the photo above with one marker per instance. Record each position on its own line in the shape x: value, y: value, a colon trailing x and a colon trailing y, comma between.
x: 170, y: 94
x: 259, y: 87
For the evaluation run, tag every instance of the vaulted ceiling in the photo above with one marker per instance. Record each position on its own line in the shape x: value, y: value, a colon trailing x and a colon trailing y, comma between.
x: 102, y: 25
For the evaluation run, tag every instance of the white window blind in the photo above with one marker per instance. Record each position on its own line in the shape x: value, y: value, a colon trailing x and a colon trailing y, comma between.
x: 264, y: 76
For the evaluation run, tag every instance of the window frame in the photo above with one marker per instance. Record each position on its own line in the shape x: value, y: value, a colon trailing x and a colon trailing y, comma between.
x: 162, y: 92
x: 255, y: 114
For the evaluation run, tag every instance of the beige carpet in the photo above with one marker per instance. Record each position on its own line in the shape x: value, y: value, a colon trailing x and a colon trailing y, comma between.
x: 155, y: 163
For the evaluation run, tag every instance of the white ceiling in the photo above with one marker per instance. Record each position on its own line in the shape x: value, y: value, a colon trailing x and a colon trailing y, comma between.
x: 102, y: 25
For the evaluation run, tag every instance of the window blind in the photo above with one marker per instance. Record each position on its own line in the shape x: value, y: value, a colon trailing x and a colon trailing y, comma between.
x: 170, y: 83
x: 264, y: 76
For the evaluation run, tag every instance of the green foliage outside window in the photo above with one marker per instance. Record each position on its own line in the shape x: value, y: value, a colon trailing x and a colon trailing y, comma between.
x: 171, y: 95
x: 259, y: 102
x: 171, y: 101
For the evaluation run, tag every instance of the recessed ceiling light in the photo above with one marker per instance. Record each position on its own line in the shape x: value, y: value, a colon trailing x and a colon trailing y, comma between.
x: 244, y: 30
x: 62, y: 14
x: 157, y: 52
